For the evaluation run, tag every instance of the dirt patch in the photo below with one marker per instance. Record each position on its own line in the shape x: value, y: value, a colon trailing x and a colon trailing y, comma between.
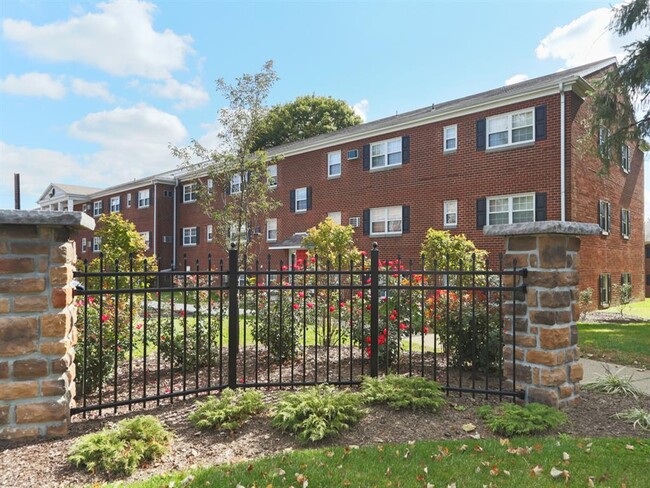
x: 601, y: 316
x: 44, y: 464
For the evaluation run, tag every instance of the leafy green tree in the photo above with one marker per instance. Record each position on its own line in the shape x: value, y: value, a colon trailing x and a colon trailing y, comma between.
x: 329, y: 241
x: 445, y: 251
x: 306, y: 116
x: 613, y: 114
x: 120, y: 239
x: 236, y: 166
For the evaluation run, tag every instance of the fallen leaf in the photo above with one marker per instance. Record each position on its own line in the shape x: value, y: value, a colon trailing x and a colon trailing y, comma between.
x: 475, y: 436
x: 388, y: 471
x: 591, y: 482
x: 629, y: 447
x: 556, y: 473
x: 469, y: 427
x: 410, y: 443
x: 189, y: 478
x: 329, y: 453
x: 431, y: 485
x: 504, y: 442
x: 536, y: 471
x: 353, y: 446
x: 565, y: 456
x: 453, y: 485
x: 506, y: 472
x: 407, y: 454
x: 426, y: 470
x: 278, y: 472
x: 478, y: 448
x: 463, y: 448
x: 494, y: 471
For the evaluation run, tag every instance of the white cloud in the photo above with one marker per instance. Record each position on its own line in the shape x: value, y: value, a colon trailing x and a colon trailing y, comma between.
x: 516, y: 79
x: 33, y: 85
x: 119, y: 39
x: 210, y: 138
x: 90, y: 89
x: 361, y: 108
x: 37, y: 168
x: 585, y: 39
x: 190, y: 95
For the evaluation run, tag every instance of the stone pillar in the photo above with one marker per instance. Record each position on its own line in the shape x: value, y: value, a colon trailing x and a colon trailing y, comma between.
x: 546, y: 353
x: 37, y: 321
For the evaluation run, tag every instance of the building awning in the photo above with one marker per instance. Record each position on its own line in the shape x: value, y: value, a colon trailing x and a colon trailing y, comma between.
x: 293, y: 242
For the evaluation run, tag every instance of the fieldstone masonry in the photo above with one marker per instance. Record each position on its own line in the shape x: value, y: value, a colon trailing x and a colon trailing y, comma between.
x: 544, y: 323
x: 37, y: 321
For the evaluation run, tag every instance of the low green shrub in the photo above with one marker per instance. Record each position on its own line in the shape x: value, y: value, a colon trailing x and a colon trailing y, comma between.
x: 510, y: 419
x: 402, y: 392
x: 188, y: 345
x: 613, y: 384
x: 227, y: 411
x: 122, y: 448
x: 317, y: 412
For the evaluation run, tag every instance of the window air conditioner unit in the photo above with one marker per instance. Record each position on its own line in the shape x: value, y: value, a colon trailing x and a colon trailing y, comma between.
x: 167, y: 239
x: 355, y: 221
x: 353, y: 154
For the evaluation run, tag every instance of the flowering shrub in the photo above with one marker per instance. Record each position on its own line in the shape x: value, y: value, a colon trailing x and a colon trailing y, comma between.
x: 188, y: 345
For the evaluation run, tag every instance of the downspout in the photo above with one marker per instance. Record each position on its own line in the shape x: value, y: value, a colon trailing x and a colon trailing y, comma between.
x: 175, y: 230
x: 562, y: 155
x: 155, y: 219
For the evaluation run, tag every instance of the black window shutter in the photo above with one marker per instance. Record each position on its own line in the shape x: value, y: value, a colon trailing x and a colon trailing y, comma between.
x: 406, y: 149
x: 481, y: 213
x: 601, y: 214
x: 181, y: 237
x: 540, y: 123
x: 609, y: 216
x: 406, y: 219
x: 366, y: 221
x: 198, y: 234
x: 601, y: 287
x: 609, y: 287
x: 309, y: 198
x: 366, y: 157
x: 292, y: 201
x: 227, y: 189
x: 540, y: 207
x: 480, y: 135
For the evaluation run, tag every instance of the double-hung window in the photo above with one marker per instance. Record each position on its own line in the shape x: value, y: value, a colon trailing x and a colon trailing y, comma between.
x: 451, y: 213
x: 604, y: 216
x: 115, y: 204
x: 273, y: 176
x: 386, y: 221
x: 450, y: 138
x: 128, y: 200
x: 301, y: 199
x: 209, y: 233
x: 190, y: 236
x: 143, y: 198
x: 235, y: 233
x: 334, y: 164
x: 335, y: 216
x: 145, y: 238
x: 386, y: 154
x: 511, y: 129
x: 98, y: 208
x: 271, y: 230
x: 235, y: 184
x: 511, y: 209
x: 603, y: 136
x: 625, y: 223
x: 625, y: 158
x: 97, y: 244
x: 605, y: 288
x: 189, y: 193
x: 84, y: 244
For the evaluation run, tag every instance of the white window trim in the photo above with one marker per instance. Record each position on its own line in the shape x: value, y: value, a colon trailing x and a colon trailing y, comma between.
x: 510, y: 209
x: 269, y: 228
x: 445, y: 138
x: 273, y: 176
x: 189, y: 235
x: 236, y: 180
x: 385, y: 154
x: 330, y: 164
x: 233, y: 234
x: 605, y: 209
x: 146, y: 236
x: 338, y: 215
x: 84, y: 244
x: 128, y: 200
x: 302, y: 210
x: 625, y: 158
x: 97, y: 244
x: 98, y: 208
x: 189, y: 193
x: 115, y: 204
x: 209, y: 233
x: 606, y: 297
x: 147, y: 199
x: 447, y: 212
x: 509, y: 129
x: 386, y: 210
x: 210, y: 185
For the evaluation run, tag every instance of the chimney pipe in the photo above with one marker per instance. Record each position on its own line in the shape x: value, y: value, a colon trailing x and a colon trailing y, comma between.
x: 17, y: 191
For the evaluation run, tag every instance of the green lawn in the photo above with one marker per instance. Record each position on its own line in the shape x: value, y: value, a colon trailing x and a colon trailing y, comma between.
x: 626, y: 344
x: 640, y: 309
x: 524, y: 462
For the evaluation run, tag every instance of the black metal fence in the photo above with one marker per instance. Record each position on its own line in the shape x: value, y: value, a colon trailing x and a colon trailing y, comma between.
x: 148, y: 336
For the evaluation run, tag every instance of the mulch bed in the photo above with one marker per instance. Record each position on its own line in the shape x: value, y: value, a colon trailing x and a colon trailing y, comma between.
x: 44, y: 463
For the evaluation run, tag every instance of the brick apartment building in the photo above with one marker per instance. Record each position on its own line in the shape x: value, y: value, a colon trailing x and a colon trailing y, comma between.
x: 501, y: 156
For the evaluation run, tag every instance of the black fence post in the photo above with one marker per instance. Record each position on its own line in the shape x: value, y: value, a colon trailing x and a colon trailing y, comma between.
x: 233, y: 316
x: 374, y: 311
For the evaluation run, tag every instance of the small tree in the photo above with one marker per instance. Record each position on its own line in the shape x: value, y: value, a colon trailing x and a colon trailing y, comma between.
x: 585, y: 301
x: 443, y: 251
x: 623, y: 294
x: 241, y: 197
x: 332, y: 242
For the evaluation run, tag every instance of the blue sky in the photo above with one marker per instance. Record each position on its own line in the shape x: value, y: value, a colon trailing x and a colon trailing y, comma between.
x: 92, y: 93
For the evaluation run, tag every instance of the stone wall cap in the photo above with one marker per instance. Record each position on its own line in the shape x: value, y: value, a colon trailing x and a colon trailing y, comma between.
x: 79, y: 220
x: 544, y: 227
